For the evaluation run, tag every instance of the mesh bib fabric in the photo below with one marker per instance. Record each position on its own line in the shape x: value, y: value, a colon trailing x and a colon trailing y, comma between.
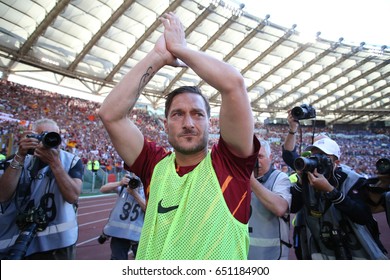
x: 187, y: 217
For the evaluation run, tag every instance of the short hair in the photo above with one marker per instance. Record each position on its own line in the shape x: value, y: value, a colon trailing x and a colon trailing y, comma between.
x: 185, y: 89
x: 44, y: 121
x: 266, y: 146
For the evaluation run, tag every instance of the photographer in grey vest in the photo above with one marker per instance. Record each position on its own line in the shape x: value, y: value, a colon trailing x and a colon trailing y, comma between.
x: 126, y: 218
x: 333, y: 220
x: 269, y: 223
x: 38, y: 194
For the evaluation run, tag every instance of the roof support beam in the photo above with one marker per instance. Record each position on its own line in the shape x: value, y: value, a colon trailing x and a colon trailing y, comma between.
x: 140, y: 41
x: 51, y: 17
x: 114, y: 17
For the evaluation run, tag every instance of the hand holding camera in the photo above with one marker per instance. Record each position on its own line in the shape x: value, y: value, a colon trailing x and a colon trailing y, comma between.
x: 48, y: 140
x: 318, y: 168
x: 45, y: 146
x: 318, y: 181
x: 303, y: 112
x: 125, y: 180
x: 27, y: 144
x: 130, y: 182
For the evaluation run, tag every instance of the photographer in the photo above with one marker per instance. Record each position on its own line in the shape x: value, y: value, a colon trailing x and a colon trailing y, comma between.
x: 269, y: 223
x: 289, y: 148
x: 333, y: 222
x: 126, y: 218
x: 378, y: 189
x: 38, y: 194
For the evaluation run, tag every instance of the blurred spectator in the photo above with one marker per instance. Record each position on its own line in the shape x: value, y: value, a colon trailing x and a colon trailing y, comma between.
x: 83, y: 133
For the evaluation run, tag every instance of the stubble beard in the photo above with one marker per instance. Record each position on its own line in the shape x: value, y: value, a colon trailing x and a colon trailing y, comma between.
x: 200, y: 146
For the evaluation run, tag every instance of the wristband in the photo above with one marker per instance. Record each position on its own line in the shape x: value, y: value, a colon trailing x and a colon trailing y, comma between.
x: 292, y: 132
x: 334, y: 196
x: 19, y: 156
x: 15, y: 164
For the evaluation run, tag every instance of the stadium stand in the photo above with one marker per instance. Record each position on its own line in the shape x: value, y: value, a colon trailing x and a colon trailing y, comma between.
x: 83, y: 133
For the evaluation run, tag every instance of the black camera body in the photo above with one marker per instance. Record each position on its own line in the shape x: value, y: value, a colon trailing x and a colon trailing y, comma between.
x: 2, y: 164
x: 29, y: 222
x: 103, y: 238
x: 303, y: 112
x: 383, y: 166
x: 323, y: 164
x: 48, y: 139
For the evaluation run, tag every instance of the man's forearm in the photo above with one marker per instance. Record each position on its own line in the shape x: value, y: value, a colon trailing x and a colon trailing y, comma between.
x: 110, y: 187
x: 124, y: 134
x: 273, y: 202
x: 126, y: 93
x: 139, y: 199
x: 69, y: 187
x: 218, y: 74
x: 289, y: 143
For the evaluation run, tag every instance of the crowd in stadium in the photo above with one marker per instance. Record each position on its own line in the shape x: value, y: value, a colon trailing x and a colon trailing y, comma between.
x: 83, y: 133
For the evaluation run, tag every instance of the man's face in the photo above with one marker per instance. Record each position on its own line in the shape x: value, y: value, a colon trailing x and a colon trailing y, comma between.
x: 334, y: 160
x: 46, y: 127
x: 187, y: 124
x: 264, y: 162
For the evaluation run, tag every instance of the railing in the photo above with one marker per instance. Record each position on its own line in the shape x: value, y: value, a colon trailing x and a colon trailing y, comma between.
x: 93, y: 181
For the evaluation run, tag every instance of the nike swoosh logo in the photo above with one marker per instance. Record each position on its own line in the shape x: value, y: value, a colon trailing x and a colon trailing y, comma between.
x: 162, y: 210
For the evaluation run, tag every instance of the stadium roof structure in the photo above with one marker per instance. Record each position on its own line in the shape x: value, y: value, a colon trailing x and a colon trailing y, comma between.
x: 89, y: 45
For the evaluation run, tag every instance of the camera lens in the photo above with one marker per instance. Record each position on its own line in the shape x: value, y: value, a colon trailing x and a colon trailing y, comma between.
x: 303, y: 112
x: 306, y: 164
x: 51, y: 139
x: 383, y: 166
x: 134, y: 183
x: 298, y: 113
x: 299, y: 164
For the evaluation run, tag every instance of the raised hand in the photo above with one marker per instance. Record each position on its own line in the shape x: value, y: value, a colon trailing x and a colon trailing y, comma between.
x: 172, y: 39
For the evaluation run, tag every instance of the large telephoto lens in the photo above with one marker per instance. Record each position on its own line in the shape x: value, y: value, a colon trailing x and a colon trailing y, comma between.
x: 305, y: 164
x: 19, y: 249
x: 51, y: 140
x: 383, y: 166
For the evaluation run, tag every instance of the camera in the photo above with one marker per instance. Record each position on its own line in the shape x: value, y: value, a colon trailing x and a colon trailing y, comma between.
x: 134, y: 183
x: 29, y: 223
x: 303, y: 112
x: 103, y: 238
x: 323, y: 164
x: 2, y: 164
x: 383, y: 166
x: 48, y: 139
x: 334, y: 239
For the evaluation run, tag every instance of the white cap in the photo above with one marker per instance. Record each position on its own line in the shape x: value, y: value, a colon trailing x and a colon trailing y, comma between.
x: 327, y: 145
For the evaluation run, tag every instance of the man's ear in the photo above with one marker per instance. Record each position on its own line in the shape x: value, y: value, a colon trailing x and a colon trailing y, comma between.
x: 166, y: 125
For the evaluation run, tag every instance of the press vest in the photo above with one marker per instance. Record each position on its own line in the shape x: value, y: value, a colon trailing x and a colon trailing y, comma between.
x: 358, y: 240
x: 62, y: 229
x: 187, y: 217
x: 269, y: 234
x: 126, y: 218
x: 93, y: 165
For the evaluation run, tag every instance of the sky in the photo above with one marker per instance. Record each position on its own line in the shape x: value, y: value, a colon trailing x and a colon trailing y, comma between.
x: 356, y: 21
